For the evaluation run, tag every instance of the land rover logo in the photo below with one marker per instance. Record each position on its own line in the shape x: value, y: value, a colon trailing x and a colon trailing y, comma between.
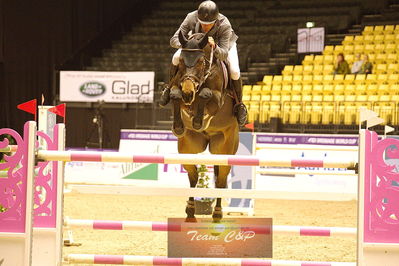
x: 92, y: 89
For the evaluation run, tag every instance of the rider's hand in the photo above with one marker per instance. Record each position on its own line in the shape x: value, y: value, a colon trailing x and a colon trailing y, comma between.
x: 211, y: 42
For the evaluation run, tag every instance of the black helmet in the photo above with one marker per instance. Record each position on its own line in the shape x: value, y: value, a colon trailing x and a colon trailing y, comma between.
x: 208, y: 12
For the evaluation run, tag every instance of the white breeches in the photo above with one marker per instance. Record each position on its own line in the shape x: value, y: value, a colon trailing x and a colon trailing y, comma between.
x: 232, y: 59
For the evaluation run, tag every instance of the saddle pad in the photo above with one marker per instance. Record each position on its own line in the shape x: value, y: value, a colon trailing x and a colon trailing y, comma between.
x: 225, y: 74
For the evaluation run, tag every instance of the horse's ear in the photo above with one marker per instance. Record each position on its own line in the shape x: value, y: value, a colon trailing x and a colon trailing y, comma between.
x: 203, y: 42
x: 183, y: 41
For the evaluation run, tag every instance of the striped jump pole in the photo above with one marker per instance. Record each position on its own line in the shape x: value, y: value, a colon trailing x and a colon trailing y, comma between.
x: 249, y: 160
x: 164, y: 227
x: 153, y: 260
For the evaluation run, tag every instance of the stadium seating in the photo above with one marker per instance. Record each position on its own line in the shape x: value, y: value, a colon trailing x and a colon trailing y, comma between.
x: 311, y: 94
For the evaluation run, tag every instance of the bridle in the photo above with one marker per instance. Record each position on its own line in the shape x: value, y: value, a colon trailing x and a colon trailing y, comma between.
x: 195, y: 80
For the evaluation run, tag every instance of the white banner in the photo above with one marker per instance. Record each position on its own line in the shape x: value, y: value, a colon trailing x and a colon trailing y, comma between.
x: 112, y: 87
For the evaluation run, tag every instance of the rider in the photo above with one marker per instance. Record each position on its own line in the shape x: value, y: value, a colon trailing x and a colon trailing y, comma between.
x: 222, y: 38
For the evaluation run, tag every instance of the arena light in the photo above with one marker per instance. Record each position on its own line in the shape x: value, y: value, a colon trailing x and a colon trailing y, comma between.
x: 310, y: 24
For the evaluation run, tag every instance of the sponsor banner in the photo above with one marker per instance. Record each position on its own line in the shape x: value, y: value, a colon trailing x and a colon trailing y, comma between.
x: 112, y: 87
x: 232, y: 238
x: 307, y: 139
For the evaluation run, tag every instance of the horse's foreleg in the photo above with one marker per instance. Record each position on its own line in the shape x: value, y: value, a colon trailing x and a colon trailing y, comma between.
x: 221, y: 173
x: 193, y: 177
x: 204, y: 97
x: 178, y: 126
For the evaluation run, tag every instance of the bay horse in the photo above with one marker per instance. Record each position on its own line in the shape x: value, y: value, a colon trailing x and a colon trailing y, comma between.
x: 203, y: 112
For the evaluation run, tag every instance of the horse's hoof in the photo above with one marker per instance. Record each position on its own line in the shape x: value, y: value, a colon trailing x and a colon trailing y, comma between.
x: 178, y: 131
x: 197, y: 123
x: 190, y: 220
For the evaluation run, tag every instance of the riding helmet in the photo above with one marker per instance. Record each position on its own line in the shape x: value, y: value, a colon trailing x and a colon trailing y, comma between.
x: 208, y: 12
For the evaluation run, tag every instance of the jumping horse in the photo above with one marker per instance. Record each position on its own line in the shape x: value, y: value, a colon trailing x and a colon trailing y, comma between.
x: 203, y: 112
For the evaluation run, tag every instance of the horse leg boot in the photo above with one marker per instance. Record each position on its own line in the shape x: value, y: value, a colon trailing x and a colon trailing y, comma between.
x: 178, y: 126
x: 165, y: 95
x: 204, y: 97
x: 240, y: 111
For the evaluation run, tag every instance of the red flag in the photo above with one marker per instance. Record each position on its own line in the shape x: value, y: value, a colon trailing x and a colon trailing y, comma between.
x: 250, y: 126
x: 59, y: 110
x: 29, y: 106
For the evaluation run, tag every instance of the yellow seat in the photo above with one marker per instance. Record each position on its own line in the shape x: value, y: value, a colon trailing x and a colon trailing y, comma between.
x: 393, y: 79
x: 318, y: 59
x: 349, y: 79
x: 348, y: 49
x: 371, y: 79
x: 267, y: 79
x: 338, y: 49
x: 369, y: 48
x: 246, y: 89
x: 359, y: 49
x: 276, y: 88
x: 286, y: 96
x: 397, y: 38
x: 318, y: 89
x: 307, y: 79
x: 287, y: 80
x: 397, y: 29
x: 297, y: 88
x: 361, y: 89
x: 328, y: 112
x: 381, y: 69
x: 328, y: 50
x: 379, y: 48
x: 317, y: 79
x: 373, y: 98
x: 368, y: 39
x: 350, y: 89
x: 264, y: 115
x: 328, y: 60
x: 349, y: 58
x: 348, y: 40
x: 360, y: 79
x: 383, y: 89
x: 328, y: 79
x: 378, y: 39
x: 297, y: 79
x: 359, y: 39
x: 317, y: 69
x: 266, y: 88
x: 372, y: 89
x: 389, y: 38
x: 307, y: 69
x: 328, y: 69
x: 378, y: 30
x: 339, y: 79
x: 298, y: 69
x: 394, y: 90
x: 380, y: 59
x: 277, y: 79
x: 287, y: 70
x: 256, y: 89
x: 307, y: 89
x: 246, y: 97
x: 265, y: 97
x: 308, y: 60
x: 382, y: 79
x: 286, y: 88
x: 372, y: 57
x: 368, y: 30
x: 328, y: 90
x: 339, y: 89
x: 393, y: 69
x: 392, y: 59
x: 389, y: 29
x: 255, y: 97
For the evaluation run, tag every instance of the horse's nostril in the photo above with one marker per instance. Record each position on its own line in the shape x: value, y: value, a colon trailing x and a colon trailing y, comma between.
x: 187, y: 97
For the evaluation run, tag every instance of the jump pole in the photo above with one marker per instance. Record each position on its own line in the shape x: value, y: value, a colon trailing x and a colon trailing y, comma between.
x: 163, y: 227
x: 89, y: 156
x: 152, y: 260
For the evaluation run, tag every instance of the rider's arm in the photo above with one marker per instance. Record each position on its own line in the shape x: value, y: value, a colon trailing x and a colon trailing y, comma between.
x: 185, y: 27
x: 222, y: 47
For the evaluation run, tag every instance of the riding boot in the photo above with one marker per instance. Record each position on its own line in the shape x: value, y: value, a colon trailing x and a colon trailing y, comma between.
x: 165, y: 95
x: 240, y: 110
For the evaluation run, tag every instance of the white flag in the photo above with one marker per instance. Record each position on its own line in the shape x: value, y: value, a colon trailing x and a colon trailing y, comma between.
x: 388, y: 129
x: 373, y: 121
x: 365, y: 114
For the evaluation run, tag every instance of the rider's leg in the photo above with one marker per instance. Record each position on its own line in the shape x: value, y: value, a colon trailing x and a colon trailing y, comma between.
x: 239, y: 108
x: 165, y: 96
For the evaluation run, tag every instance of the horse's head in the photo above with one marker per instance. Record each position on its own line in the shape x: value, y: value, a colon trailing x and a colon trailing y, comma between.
x: 192, y: 65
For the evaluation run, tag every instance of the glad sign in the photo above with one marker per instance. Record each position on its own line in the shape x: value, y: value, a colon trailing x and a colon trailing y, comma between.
x: 113, y: 87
